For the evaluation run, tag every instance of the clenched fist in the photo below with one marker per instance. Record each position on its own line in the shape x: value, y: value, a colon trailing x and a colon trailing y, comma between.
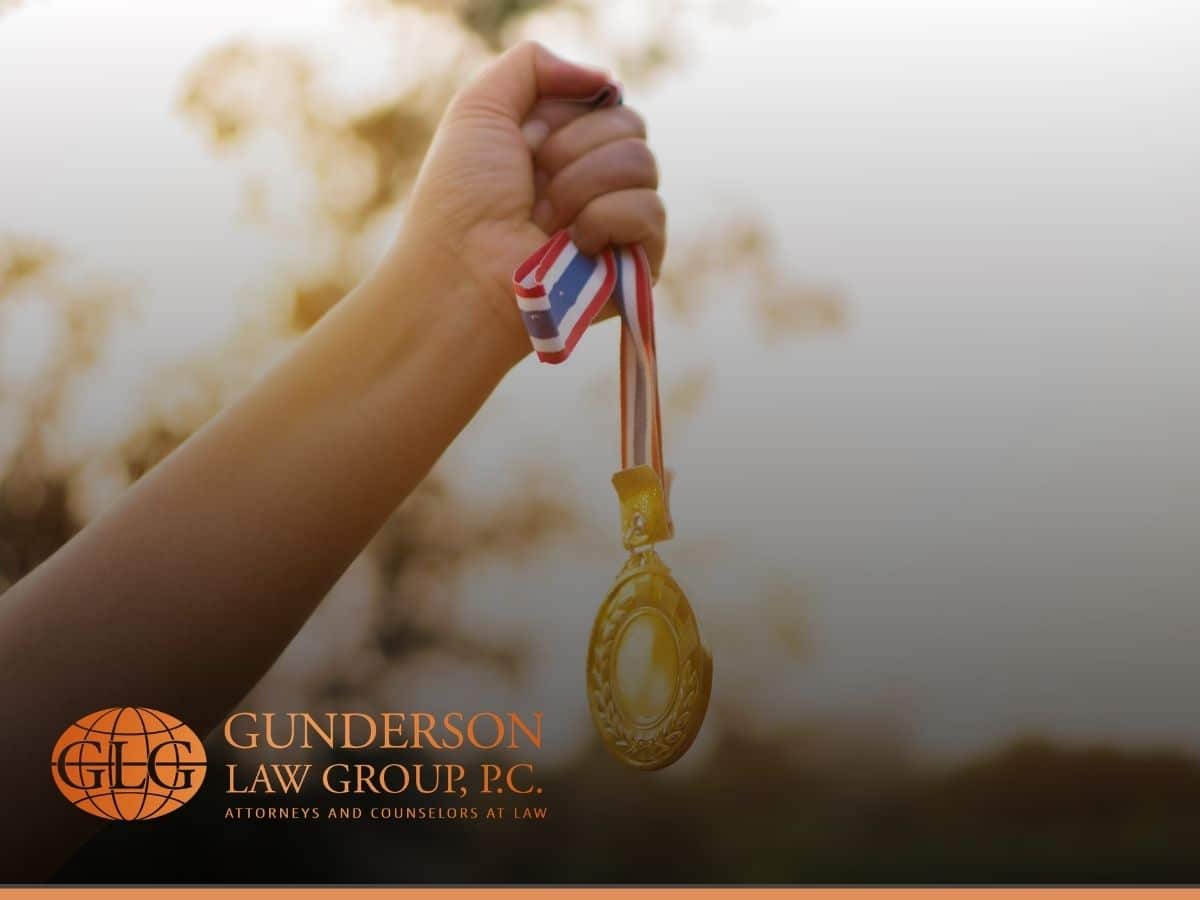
x: 513, y: 160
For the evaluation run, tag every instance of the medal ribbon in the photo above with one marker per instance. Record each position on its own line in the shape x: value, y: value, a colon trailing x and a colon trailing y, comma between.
x: 560, y: 291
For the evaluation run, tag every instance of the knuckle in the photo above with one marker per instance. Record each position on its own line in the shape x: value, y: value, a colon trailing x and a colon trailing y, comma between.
x: 632, y: 119
x: 657, y: 216
x: 637, y: 160
x: 657, y: 212
x: 526, y: 47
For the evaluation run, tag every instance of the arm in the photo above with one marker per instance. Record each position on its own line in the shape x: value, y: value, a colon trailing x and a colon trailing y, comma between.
x: 182, y: 596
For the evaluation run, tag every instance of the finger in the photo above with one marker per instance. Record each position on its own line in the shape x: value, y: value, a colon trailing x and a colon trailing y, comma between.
x: 578, y: 136
x: 511, y: 85
x: 547, y: 117
x: 624, y: 217
x: 615, y: 166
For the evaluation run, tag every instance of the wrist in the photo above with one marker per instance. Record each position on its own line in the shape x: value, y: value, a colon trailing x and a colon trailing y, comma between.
x: 459, y: 301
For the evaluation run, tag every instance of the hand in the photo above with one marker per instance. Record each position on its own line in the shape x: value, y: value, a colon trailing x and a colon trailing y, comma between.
x: 511, y: 163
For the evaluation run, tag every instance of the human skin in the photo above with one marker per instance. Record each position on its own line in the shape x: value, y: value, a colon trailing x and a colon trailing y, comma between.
x: 183, y: 593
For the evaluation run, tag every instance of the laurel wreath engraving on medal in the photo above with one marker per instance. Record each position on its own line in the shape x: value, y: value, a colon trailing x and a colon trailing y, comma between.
x: 659, y: 744
x: 665, y: 738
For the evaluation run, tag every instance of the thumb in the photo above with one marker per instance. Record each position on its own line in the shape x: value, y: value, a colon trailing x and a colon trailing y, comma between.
x: 512, y: 84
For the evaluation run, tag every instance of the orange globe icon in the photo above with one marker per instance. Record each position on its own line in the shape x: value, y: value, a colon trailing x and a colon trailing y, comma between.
x: 128, y: 762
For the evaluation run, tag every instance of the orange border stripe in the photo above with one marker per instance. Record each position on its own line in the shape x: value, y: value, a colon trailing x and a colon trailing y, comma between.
x: 595, y: 893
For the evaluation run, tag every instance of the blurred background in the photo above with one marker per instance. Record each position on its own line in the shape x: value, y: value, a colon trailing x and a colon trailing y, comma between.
x: 927, y: 337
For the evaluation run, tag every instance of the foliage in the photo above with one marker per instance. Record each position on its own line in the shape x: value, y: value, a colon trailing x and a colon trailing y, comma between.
x: 362, y: 158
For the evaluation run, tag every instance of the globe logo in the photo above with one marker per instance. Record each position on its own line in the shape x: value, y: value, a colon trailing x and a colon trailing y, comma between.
x: 128, y: 762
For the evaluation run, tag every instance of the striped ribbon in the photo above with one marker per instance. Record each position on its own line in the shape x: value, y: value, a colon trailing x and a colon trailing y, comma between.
x: 561, y: 290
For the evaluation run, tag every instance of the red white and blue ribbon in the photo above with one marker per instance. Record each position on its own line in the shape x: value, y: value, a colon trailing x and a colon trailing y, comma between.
x: 561, y: 290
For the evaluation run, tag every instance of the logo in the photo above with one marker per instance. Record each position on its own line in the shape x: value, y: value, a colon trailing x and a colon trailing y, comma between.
x: 126, y: 763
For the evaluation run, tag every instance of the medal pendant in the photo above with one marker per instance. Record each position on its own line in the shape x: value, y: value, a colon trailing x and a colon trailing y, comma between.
x: 649, y: 673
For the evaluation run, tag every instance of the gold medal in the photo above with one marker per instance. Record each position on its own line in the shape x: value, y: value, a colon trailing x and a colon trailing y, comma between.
x: 649, y: 674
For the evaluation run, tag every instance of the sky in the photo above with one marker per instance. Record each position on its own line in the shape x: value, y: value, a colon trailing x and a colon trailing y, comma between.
x: 984, y: 485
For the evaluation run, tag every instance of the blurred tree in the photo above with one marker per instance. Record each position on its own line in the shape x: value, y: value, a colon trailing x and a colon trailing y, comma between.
x: 363, y: 161
x: 361, y: 156
x: 50, y: 328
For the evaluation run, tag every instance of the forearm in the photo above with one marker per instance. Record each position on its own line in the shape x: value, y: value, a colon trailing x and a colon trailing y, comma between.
x: 182, y: 596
